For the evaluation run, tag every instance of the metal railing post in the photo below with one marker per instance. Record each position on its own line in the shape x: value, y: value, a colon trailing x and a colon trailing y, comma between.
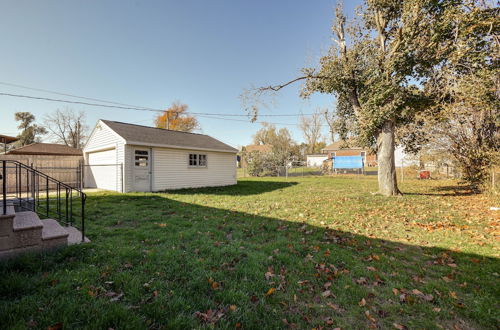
x: 67, y: 205
x: 33, y: 186
x: 58, y: 200
x: 4, y: 186
x: 47, y: 195
x: 83, y: 197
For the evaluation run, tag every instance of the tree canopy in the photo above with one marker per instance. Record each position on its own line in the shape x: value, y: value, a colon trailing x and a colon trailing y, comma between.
x: 380, y: 65
x: 67, y: 127
x: 176, y: 118
x: 30, y: 132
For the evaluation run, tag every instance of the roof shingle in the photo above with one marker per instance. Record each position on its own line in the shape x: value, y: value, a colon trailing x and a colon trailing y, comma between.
x: 146, y: 135
x: 46, y: 149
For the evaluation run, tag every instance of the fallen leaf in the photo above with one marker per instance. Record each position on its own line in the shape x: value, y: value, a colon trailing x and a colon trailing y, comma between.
x: 326, y: 293
x: 417, y: 292
x: 118, y: 297
x: 369, y: 317
x: 453, y: 294
x: 270, y: 291
x: 399, y: 326
x: 268, y: 275
x: 233, y: 308
x: 56, y: 326
x: 333, y: 306
x: 362, y: 302
x: 210, y: 316
x: 446, y: 279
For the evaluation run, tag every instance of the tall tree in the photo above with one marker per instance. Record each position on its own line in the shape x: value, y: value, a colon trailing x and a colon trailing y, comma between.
x: 176, y: 118
x: 68, y: 127
x: 270, y: 135
x: 340, y: 121
x: 30, y: 132
x: 375, y: 67
x: 311, y: 127
x: 283, y: 146
x: 467, y: 87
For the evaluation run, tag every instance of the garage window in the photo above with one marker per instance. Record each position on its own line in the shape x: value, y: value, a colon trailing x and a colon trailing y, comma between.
x: 197, y: 160
x: 141, y: 158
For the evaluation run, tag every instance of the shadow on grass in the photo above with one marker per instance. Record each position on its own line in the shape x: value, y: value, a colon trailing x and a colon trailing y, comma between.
x: 242, y: 188
x: 159, y: 263
x: 455, y: 190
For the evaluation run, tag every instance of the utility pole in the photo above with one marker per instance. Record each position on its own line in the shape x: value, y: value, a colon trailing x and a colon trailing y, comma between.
x: 77, y: 142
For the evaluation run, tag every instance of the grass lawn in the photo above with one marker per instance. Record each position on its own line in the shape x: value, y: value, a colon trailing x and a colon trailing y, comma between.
x: 308, y: 253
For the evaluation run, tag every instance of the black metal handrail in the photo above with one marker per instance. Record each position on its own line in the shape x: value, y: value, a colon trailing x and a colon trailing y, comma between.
x: 26, y: 195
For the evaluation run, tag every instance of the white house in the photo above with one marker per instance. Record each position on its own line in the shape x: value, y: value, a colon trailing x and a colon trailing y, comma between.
x: 316, y: 160
x: 126, y: 157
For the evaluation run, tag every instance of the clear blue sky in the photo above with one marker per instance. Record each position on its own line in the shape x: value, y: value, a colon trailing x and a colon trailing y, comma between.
x: 152, y: 53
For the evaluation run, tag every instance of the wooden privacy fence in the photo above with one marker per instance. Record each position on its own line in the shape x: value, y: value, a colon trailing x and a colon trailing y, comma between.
x: 67, y: 169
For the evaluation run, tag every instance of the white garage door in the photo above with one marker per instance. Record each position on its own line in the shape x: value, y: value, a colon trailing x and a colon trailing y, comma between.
x: 102, y: 170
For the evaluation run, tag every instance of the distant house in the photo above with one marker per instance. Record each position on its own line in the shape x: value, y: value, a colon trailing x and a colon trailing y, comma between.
x: 348, y: 148
x: 46, y: 149
x: 126, y: 157
x: 265, y: 148
x: 6, y: 140
x: 262, y: 148
x: 59, y: 161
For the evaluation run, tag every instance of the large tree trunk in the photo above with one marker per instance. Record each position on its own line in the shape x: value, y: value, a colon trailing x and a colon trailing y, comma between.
x: 387, y: 182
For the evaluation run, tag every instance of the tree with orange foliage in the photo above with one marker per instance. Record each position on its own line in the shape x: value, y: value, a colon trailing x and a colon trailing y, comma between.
x: 175, y: 118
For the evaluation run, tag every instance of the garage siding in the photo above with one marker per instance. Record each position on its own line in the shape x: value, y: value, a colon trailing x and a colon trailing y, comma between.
x: 128, y: 168
x: 105, y: 141
x: 171, y: 170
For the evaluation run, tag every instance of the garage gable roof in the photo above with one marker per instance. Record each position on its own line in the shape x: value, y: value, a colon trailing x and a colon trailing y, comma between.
x: 152, y: 136
x: 46, y: 149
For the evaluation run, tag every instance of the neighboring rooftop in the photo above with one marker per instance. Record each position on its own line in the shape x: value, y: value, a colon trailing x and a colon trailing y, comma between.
x: 7, y: 139
x: 45, y: 149
x: 145, y: 135
x: 341, y: 144
x: 259, y: 147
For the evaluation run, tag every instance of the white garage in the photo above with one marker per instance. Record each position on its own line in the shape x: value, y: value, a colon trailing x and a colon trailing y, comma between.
x: 126, y: 157
x: 102, y: 170
x: 316, y: 160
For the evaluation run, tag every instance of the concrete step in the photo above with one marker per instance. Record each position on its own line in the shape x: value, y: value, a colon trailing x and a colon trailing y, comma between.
x: 6, y: 221
x: 26, y: 230
x: 75, y: 236
x: 26, y: 220
x: 53, y: 234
